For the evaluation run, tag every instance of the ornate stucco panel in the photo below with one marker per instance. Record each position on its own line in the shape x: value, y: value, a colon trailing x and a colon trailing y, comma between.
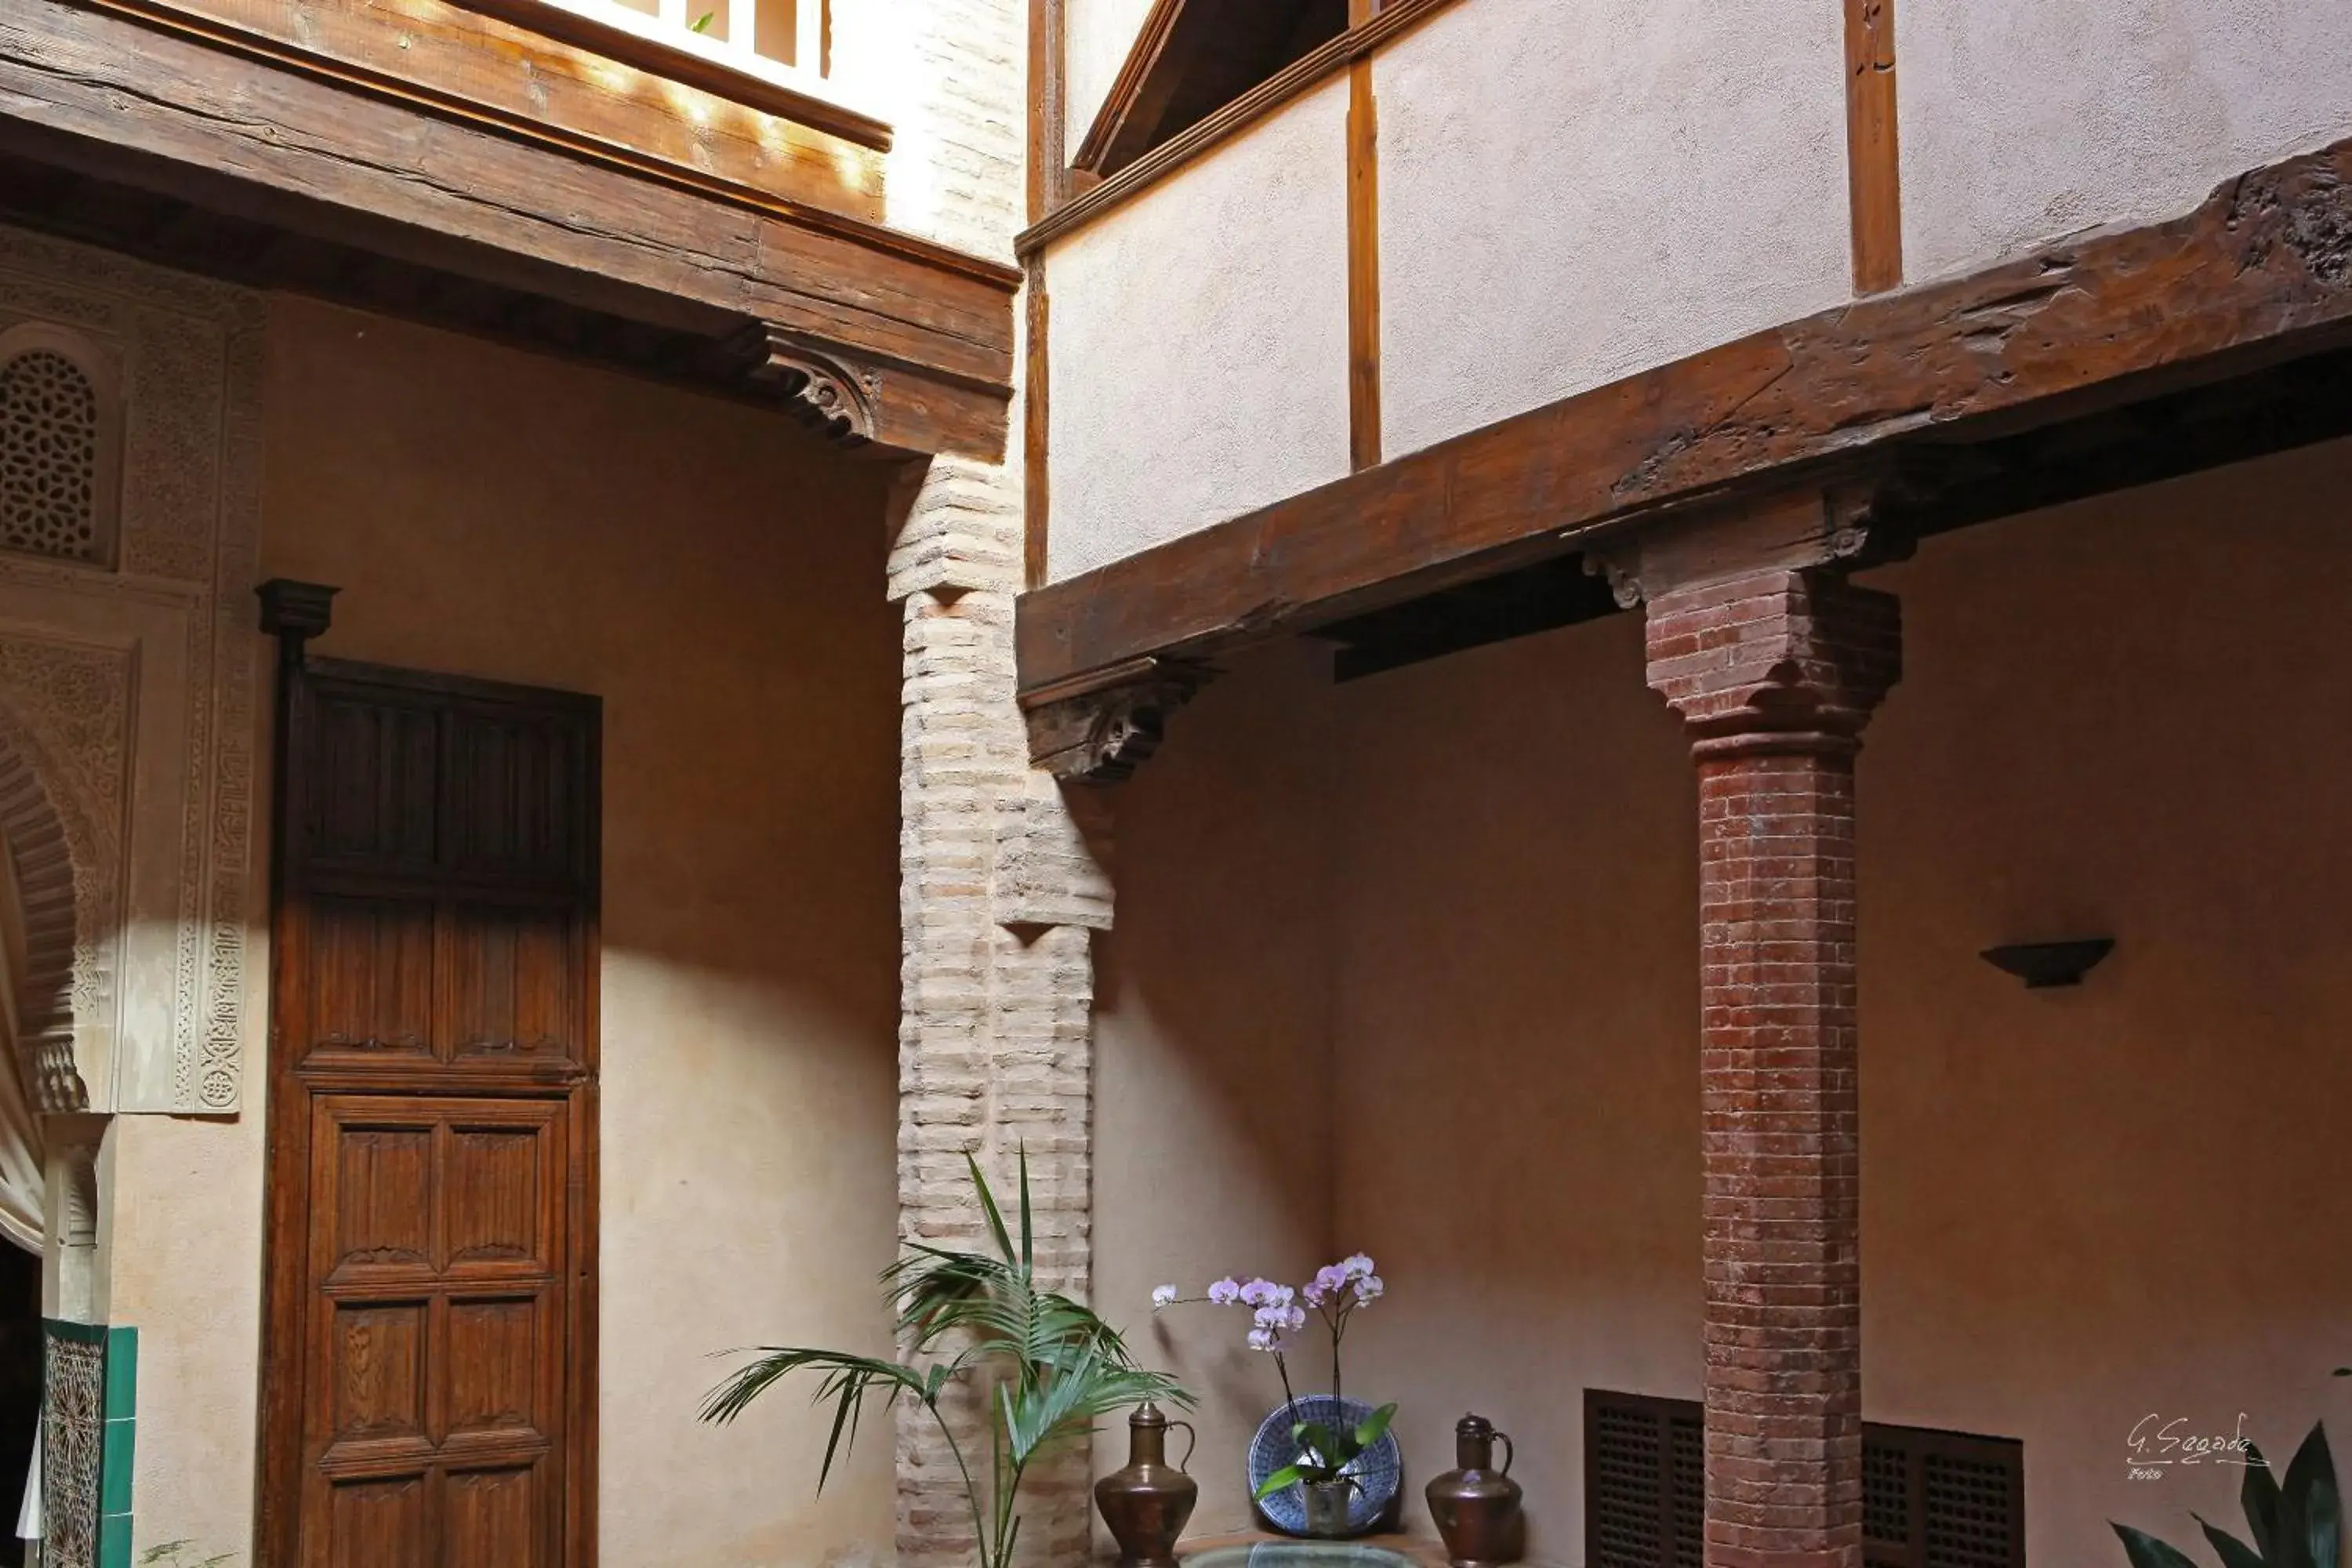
x: 161, y: 629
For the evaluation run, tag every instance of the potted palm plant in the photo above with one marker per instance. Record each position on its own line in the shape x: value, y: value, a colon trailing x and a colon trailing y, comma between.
x: 1046, y: 1367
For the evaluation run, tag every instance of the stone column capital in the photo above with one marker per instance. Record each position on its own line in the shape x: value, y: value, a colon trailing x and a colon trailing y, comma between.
x: 1778, y: 659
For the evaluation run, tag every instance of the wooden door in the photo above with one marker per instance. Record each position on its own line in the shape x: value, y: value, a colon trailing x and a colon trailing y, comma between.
x: 437, y: 1242
x: 429, y: 1350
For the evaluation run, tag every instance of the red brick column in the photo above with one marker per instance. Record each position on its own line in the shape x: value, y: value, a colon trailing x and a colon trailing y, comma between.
x: 1775, y: 674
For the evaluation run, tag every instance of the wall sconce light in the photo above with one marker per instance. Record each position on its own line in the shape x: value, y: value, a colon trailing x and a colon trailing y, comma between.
x: 2043, y: 964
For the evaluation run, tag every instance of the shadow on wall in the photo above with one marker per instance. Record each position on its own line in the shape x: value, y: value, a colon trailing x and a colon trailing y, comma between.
x: 715, y: 574
x: 1212, y: 1117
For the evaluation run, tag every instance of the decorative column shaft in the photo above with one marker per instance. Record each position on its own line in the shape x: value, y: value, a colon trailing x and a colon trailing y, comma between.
x: 1774, y: 674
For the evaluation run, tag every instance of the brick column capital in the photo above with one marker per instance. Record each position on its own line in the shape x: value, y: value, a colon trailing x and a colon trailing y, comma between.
x: 1778, y: 659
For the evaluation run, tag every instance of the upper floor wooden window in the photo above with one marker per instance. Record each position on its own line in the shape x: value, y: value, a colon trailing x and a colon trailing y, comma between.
x: 1191, y: 60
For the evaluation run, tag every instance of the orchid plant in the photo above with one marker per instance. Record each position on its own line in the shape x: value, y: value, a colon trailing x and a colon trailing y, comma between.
x: 1278, y: 1313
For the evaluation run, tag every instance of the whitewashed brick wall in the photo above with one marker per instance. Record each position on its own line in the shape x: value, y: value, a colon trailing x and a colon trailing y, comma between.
x: 998, y: 889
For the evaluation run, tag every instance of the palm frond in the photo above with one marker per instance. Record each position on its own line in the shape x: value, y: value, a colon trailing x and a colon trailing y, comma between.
x: 844, y: 1380
x: 1028, y: 1234
x: 1060, y: 1368
x: 988, y: 1203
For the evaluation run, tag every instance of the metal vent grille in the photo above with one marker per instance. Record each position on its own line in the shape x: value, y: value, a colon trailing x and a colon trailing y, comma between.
x: 1886, y: 1497
x: 1930, y: 1499
x: 1625, y: 1463
x: 1972, y: 1520
x: 1686, y: 1487
x: 49, y: 457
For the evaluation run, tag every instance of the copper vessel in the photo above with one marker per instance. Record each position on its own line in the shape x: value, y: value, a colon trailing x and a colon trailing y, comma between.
x: 1477, y: 1506
x: 1147, y: 1504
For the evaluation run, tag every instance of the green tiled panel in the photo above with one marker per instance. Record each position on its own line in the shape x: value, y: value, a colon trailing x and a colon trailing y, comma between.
x: 114, y: 1474
x: 122, y: 1374
x: 114, y: 1542
x: 121, y: 1452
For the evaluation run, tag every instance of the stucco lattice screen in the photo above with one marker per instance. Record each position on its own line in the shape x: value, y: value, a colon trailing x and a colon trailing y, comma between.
x: 73, y: 1445
x: 50, y: 452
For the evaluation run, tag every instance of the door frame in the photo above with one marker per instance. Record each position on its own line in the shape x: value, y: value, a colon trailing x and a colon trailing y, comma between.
x: 291, y: 1092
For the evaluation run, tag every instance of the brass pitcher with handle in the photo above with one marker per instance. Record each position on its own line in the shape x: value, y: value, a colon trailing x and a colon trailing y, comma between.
x: 1148, y: 1504
x: 1477, y: 1506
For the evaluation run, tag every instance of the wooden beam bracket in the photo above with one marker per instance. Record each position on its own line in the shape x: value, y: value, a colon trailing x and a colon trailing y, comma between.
x: 819, y: 389
x: 1100, y: 731
x: 1838, y: 523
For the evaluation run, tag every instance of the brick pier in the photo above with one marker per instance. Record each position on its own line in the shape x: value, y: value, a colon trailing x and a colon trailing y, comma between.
x: 998, y: 889
x: 1774, y: 674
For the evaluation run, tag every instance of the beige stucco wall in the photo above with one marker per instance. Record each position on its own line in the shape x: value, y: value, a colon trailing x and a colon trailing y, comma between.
x: 2126, y: 718
x: 1569, y: 194
x: 1200, y: 343
x: 1212, y: 1030
x: 716, y: 576
x: 2023, y: 121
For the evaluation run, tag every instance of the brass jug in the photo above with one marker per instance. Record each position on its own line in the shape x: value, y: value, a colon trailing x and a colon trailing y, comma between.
x: 1147, y: 1504
x: 1477, y: 1506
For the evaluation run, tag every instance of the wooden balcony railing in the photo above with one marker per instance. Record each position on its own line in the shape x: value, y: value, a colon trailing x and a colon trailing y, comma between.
x: 785, y: 41
x: 774, y: 56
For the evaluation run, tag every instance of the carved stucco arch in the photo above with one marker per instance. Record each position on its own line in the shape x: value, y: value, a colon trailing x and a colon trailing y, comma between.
x: 64, y: 939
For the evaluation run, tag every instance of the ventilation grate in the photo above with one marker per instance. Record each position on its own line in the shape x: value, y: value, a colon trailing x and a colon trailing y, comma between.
x: 1971, y: 1507
x: 49, y: 457
x: 1624, y: 1458
x: 1885, y: 1496
x: 1930, y: 1499
x: 1687, y: 1488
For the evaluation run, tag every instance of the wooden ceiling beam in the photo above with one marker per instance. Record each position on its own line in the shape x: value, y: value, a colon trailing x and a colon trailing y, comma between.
x: 923, y: 332
x: 2259, y: 275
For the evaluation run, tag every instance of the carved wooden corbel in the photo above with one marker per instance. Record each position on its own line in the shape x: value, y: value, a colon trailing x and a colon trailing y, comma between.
x: 1845, y: 524
x: 1102, y: 733
x: 835, y: 400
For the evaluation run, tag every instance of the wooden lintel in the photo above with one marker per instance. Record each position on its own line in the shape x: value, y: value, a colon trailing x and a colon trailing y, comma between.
x: 2257, y: 276
x: 222, y: 120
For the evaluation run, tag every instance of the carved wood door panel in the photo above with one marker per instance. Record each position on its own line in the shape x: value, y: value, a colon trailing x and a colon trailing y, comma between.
x: 437, y: 1242
x: 428, y: 1385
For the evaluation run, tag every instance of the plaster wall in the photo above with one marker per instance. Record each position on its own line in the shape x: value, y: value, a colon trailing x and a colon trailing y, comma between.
x: 1200, y: 343
x: 1570, y: 194
x: 716, y: 576
x: 948, y: 76
x: 1212, y: 1152
x: 2080, y: 1209
x: 1099, y: 34
x: 2023, y: 121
